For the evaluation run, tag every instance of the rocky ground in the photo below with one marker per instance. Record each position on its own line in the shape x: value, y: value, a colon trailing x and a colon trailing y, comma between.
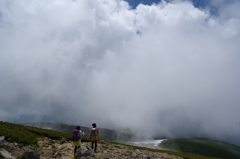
x: 50, y: 149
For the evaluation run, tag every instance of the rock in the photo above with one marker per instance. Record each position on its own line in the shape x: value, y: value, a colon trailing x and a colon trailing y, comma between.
x: 62, y: 141
x: 88, y: 153
x: 62, y: 147
x: 5, y: 154
x: 57, y: 155
x: 105, y: 152
x: 146, y: 157
x: 134, y: 154
x: 2, y: 140
x: 120, y: 146
x: 9, y: 140
x: 102, y: 141
x: 40, y: 139
x: 17, y: 152
x: 78, y: 154
x: 85, y: 151
x: 20, y: 145
x: 25, y: 148
x: 50, y: 149
x: 52, y: 141
x: 29, y: 154
x: 9, y: 148
x: 46, y: 154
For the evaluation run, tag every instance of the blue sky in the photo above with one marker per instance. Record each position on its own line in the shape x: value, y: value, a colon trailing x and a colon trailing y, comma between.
x: 134, y: 3
x: 197, y: 3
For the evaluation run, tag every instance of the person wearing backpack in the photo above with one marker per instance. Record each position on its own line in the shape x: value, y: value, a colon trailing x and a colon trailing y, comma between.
x: 94, y: 135
x: 77, y: 137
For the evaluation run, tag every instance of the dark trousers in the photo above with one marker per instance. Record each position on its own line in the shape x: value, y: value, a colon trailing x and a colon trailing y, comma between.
x: 94, y: 142
x: 76, y: 148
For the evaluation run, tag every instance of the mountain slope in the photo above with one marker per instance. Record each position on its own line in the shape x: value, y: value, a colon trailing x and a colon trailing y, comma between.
x: 30, y: 135
x: 202, y: 147
x: 107, y: 134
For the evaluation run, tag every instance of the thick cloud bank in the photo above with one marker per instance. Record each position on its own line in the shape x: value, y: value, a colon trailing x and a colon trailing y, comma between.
x: 168, y: 69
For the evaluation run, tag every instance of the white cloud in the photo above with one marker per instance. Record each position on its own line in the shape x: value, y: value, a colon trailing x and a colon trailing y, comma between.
x: 169, y: 67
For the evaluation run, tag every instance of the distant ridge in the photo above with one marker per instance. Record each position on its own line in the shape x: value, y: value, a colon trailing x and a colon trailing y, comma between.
x: 107, y: 134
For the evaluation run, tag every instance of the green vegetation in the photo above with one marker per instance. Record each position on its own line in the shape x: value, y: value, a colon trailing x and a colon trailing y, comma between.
x: 28, y: 135
x: 203, y: 147
x: 107, y: 134
x: 64, y: 128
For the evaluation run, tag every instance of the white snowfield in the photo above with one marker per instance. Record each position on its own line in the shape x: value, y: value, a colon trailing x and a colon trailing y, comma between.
x: 149, y: 143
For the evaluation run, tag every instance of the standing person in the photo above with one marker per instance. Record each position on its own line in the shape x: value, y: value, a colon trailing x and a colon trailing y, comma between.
x: 94, y: 135
x: 77, y: 137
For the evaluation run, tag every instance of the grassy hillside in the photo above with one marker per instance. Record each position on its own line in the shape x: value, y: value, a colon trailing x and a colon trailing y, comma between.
x: 106, y: 134
x: 203, y: 147
x: 28, y: 135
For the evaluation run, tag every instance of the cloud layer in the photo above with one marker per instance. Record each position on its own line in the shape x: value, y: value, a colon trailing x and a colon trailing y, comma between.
x: 168, y: 69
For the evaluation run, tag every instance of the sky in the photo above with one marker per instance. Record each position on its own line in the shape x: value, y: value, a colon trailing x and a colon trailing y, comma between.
x: 196, y: 3
x: 167, y: 69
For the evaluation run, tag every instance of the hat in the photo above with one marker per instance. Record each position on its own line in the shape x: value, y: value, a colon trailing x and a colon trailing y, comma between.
x: 78, y: 127
x: 94, y: 125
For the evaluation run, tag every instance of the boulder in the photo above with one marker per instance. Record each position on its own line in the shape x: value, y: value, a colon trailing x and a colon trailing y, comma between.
x: 2, y: 137
x: 63, y: 141
x: 86, y: 152
x: 29, y: 154
x: 5, y: 154
x: 9, y: 148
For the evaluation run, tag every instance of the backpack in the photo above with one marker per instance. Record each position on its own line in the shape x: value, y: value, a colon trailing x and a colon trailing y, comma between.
x: 76, y: 136
x: 94, y: 131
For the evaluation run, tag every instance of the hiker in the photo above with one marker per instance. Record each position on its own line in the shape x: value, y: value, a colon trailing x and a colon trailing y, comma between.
x: 94, y: 136
x: 77, y: 137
